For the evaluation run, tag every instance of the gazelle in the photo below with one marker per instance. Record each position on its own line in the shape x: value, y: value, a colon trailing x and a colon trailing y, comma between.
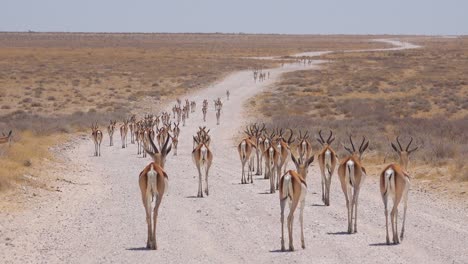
x: 293, y: 189
x: 352, y: 175
x: 97, y: 139
x: 271, y: 155
x: 227, y: 94
x: 153, y: 183
x: 327, y: 160
x: 284, y: 153
x: 110, y: 131
x: 395, y: 183
x: 218, y: 116
x: 202, y: 157
x: 175, y: 142
x: 123, y: 133
x: 132, y: 128
x: 245, y: 149
x: 304, y: 148
x: 6, y: 138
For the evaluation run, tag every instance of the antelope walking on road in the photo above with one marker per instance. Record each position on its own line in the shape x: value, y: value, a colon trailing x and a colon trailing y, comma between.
x: 110, y: 131
x: 395, y: 183
x: 153, y: 182
x: 293, y: 189
x: 327, y: 162
x: 97, y: 139
x: 352, y: 175
x: 202, y: 157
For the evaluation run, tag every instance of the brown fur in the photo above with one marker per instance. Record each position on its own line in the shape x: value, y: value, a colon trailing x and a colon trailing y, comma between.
x: 293, y: 188
x: 326, y: 182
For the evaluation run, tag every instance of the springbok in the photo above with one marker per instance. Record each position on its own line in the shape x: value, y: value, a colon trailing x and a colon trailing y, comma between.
x: 6, y: 138
x: 284, y: 152
x: 218, y: 116
x: 97, y: 139
x: 395, y: 183
x: 123, y: 133
x: 304, y: 147
x: 227, y: 94
x: 327, y: 160
x: 352, y: 175
x: 110, y: 131
x: 245, y: 149
x: 202, y: 157
x: 153, y: 183
x: 293, y: 189
x: 271, y: 155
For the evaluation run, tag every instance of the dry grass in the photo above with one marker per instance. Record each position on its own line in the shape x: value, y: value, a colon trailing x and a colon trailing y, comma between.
x: 54, y: 83
x: 421, y: 93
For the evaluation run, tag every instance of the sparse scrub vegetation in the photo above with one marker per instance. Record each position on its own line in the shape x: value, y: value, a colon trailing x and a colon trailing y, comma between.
x: 420, y: 93
x: 59, y: 83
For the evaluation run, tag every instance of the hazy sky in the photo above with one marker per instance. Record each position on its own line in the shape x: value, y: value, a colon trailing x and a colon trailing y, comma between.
x: 248, y: 16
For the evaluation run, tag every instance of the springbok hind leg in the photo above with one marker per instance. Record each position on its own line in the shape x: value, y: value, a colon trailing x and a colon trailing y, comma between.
x: 356, y: 198
x: 301, y: 218
x: 155, y: 220
x: 283, y: 205
x: 385, y: 201
x: 405, y: 204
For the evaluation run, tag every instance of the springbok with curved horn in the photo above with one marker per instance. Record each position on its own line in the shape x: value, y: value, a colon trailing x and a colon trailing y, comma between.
x: 284, y: 152
x: 123, y: 133
x: 110, y: 131
x: 304, y: 147
x: 395, y: 183
x: 153, y: 183
x: 97, y: 139
x: 202, y: 157
x: 352, y: 175
x: 271, y: 155
x: 327, y: 160
x: 218, y: 115
x: 245, y: 149
x: 293, y: 189
x: 6, y: 138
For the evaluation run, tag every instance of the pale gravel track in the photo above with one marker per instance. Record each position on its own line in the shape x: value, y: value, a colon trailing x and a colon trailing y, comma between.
x: 103, y: 221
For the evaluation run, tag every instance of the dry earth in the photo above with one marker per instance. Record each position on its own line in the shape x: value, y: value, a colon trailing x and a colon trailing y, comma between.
x: 97, y: 216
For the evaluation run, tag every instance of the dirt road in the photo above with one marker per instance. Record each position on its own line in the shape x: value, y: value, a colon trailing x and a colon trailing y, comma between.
x: 98, y: 216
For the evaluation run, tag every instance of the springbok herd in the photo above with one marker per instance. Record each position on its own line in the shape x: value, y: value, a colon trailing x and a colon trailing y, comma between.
x: 272, y: 147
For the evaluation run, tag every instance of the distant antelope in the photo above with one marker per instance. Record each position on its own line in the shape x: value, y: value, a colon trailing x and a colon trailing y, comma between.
x: 202, y: 157
x: 227, y: 94
x: 204, y: 111
x: 271, y: 156
x: 110, y: 131
x: 293, y: 189
x: 245, y: 149
x: 97, y: 139
x: 123, y: 133
x: 132, y: 129
x: 284, y: 152
x: 327, y: 160
x: 175, y: 143
x: 153, y: 182
x: 6, y: 138
x: 352, y: 175
x: 395, y: 183
x: 218, y: 116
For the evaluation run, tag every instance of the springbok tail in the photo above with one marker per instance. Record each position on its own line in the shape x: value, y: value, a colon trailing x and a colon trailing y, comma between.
x: 328, y: 162
x: 152, y: 183
x: 350, y: 172
x: 389, y: 181
x: 287, y: 186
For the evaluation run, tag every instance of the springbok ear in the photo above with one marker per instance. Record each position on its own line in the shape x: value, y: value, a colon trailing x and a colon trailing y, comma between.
x: 365, y: 147
x: 331, y: 140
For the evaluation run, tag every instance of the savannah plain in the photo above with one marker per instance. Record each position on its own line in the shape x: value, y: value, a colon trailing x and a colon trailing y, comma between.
x: 60, y: 204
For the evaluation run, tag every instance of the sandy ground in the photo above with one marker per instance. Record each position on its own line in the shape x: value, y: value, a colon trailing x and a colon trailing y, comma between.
x: 98, y: 217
